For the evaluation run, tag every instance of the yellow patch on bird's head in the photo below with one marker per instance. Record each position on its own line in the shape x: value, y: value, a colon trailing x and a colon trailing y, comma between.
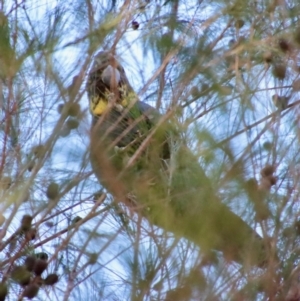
x: 98, y: 105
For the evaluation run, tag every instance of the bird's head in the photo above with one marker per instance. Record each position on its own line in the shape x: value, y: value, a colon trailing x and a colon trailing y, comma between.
x: 108, y: 86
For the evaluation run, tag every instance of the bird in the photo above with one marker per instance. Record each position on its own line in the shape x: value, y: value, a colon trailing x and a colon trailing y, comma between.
x: 137, y: 151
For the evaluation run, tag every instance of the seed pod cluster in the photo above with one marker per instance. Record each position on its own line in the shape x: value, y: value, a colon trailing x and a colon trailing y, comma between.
x: 267, y: 178
x: 21, y: 275
x: 30, y: 262
x: 239, y: 23
x: 284, y: 45
x: 280, y: 102
x: 72, y: 111
x: 29, y: 276
x: 72, y: 123
x: 31, y: 291
x: 135, y: 25
x: 42, y: 255
x: 26, y: 222
x: 52, y: 191
x: 279, y: 70
x: 64, y: 132
x: 38, y: 150
x: 51, y: 279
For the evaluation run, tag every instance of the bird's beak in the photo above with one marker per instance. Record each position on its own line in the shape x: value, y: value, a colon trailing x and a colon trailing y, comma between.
x: 111, y: 76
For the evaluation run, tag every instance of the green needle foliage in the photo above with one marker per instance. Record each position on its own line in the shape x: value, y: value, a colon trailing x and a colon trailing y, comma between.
x: 213, y: 214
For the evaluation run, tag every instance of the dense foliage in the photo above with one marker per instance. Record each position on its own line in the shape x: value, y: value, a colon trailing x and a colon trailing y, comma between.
x: 226, y: 72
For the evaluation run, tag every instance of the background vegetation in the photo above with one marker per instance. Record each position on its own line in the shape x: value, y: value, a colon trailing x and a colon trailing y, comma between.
x: 228, y: 71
